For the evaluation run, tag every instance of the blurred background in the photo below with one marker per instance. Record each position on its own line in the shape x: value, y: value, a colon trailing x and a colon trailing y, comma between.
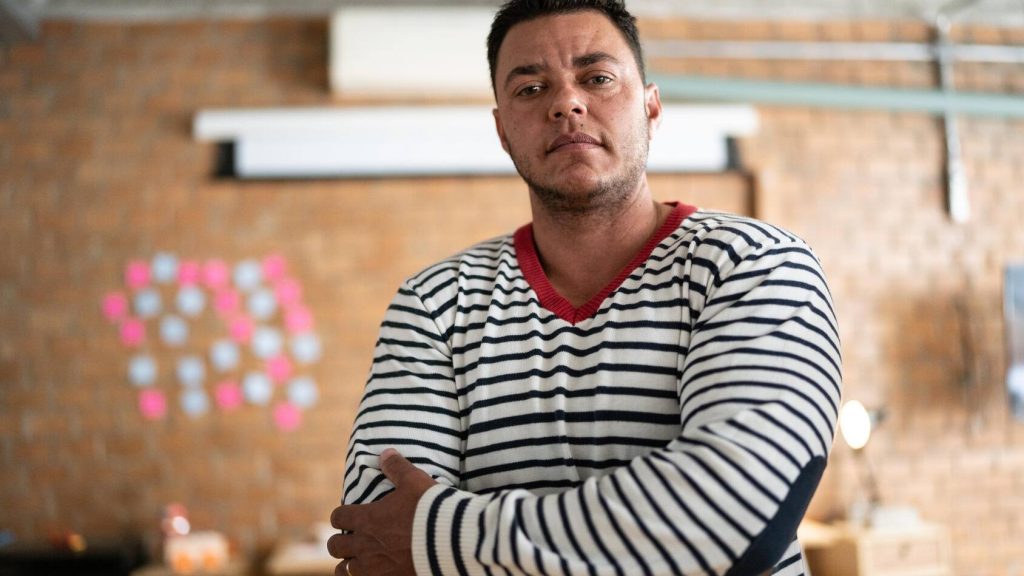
x: 207, y: 205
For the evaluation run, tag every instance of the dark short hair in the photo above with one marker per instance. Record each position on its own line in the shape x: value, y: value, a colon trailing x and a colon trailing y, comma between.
x: 516, y: 11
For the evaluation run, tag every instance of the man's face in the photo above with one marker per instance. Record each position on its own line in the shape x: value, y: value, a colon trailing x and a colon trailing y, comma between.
x: 572, y: 110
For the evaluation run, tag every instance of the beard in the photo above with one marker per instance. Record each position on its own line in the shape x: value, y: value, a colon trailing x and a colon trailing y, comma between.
x: 610, y: 192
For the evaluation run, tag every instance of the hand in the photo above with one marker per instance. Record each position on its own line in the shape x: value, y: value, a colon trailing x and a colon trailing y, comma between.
x: 378, y: 541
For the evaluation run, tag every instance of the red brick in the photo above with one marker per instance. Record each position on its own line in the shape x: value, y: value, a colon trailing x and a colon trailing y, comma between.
x: 27, y: 54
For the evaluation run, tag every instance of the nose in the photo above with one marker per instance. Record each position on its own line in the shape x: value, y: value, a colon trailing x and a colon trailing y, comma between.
x: 567, y: 102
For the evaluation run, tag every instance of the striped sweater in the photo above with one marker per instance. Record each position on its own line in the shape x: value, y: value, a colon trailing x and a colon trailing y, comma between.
x: 678, y: 423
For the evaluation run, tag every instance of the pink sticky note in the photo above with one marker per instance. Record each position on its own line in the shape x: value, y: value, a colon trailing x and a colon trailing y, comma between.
x: 274, y: 267
x: 228, y: 395
x: 287, y: 417
x: 298, y: 319
x: 288, y: 291
x: 226, y: 302
x: 133, y: 332
x: 216, y: 274
x: 152, y: 404
x: 189, y: 272
x: 115, y: 306
x: 136, y: 274
x: 241, y: 329
x: 279, y: 368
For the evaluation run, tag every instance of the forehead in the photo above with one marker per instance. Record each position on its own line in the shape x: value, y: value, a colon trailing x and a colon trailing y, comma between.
x: 554, y: 39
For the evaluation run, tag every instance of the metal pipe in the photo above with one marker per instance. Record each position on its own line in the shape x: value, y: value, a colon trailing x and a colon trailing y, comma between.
x: 957, y: 195
x: 829, y: 51
x: 680, y: 87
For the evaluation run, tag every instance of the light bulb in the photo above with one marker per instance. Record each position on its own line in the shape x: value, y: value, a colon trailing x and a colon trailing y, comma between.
x: 855, y: 424
x: 180, y: 525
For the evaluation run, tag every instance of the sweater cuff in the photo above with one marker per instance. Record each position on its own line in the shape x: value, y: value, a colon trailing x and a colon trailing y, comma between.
x: 440, y: 538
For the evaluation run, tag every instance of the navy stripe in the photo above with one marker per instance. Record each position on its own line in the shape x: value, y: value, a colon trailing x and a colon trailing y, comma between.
x: 512, y: 445
x: 564, y: 331
x: 567, y: 349
x: 564, y: 392
x: 574, y: 373
x: 567, y: 526
x: 624, y: 500
x: 549, y: 463
x: 457, y: 519
x: 563, y: 416
x: 589, y: 520
x: 435, y: 506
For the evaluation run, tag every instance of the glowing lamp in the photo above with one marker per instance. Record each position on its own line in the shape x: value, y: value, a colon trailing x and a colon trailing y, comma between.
x: 855, y: 424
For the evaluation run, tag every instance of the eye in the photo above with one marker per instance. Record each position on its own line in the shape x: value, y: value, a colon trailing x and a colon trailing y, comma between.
x: 528, y: 90
x: 600, y: 79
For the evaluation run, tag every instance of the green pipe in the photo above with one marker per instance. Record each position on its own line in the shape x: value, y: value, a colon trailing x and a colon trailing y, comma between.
x: 677, y: 87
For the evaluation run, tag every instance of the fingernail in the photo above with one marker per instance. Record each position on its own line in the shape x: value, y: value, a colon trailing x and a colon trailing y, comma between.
x: 387, y: 453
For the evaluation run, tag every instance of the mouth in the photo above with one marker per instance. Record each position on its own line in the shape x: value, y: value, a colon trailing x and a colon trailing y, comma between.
x: 573, y: 141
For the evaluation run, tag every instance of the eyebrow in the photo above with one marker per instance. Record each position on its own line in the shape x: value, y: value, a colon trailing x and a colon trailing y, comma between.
x: 577, y: 62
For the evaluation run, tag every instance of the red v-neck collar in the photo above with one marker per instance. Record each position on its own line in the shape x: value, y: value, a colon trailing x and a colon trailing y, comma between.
x: 529, y: 263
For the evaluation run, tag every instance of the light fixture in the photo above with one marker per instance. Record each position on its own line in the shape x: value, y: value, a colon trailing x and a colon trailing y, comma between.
x: 866, y: 509
x: 855, y: 424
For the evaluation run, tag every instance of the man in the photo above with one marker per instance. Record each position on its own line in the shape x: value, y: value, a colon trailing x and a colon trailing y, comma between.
x: 620, y: 387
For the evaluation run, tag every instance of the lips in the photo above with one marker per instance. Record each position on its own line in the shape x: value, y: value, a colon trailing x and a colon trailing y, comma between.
x: 570, y: 139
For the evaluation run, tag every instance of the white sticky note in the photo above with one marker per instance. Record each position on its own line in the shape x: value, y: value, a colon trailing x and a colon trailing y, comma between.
x: 142, y: 370
x: 173, y: 330
x: 224, y: 355
x: 195, y: 402
x: 191, y: 300
x: 266, y: 342
x: 191, y: 371
x: 257, y: 388
x: 147, y: 303
x: 262, y: 304
x: 306, y: 347
x: 247, y: 275
x: 302, y: 392
x: 165, y: 268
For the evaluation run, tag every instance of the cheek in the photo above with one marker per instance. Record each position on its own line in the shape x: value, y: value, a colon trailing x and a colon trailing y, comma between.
x: 517, y: 135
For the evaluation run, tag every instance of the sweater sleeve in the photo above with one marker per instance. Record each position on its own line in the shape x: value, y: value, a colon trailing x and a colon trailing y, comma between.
x: 758, y: 404
x: 409, y: 403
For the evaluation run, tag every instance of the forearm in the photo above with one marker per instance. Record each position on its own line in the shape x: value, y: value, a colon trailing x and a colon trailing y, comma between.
x: 667, y: 513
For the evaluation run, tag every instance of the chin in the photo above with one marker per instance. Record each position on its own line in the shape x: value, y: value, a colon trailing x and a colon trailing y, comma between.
x: 580, y: 197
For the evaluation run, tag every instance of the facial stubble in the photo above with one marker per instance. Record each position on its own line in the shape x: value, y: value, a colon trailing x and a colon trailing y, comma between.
x: 609, y: 194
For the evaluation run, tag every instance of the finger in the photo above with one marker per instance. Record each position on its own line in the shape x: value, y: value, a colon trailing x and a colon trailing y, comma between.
x: 344, y: 568
x: 350, y: 517
x: 399, y: 470
x: 342, y: 545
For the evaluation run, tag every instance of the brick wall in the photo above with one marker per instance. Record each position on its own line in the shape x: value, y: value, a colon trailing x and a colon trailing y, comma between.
x: 98, y: 167
x: 866, y: 189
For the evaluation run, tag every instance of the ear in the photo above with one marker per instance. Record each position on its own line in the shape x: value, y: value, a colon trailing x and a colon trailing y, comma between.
x: 652, y: 101
x: 501, y: 129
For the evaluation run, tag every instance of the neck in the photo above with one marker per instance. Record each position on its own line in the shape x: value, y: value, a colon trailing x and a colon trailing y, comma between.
x: 582, y: 252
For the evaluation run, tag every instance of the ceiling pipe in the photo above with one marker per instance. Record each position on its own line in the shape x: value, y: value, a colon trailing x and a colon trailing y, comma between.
x: 829, y: 51
x: 957, y: 195
x: 682, y: 87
